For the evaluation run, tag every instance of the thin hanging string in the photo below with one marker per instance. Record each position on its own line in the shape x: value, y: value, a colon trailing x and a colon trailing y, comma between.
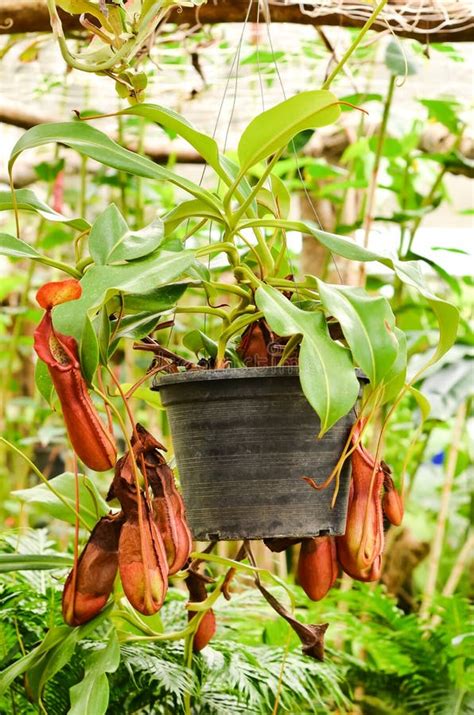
x: 267, y: 20
x: 293, y: 147
x: 235, y: 63
x: 259, y: 72
x: 235, y: 59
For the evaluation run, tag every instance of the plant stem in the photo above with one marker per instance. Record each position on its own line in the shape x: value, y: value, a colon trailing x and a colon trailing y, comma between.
x: 230, y: 288
x: 122, y: 176
x: 443, y: 512
x: 221, y: 247
x: 378, y: 157
x: 238, y: 324
x: 426, y: 202
x: 124, y: 54
x: 355, y: 44
x: 45, y: 481
x: 60, y: 266
x: 139, y: 213
x: 83, y: 188
x: 218, y: 312
x: 253, y: 194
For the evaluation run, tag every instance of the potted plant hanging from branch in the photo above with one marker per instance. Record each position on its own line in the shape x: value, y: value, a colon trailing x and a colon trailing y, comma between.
x: 268, y: 419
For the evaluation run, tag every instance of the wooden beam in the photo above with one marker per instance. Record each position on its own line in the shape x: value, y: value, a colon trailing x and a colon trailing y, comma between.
x: 17, y: 16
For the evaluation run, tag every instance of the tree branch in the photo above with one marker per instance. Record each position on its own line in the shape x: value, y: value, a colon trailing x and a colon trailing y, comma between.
x: 32, y: 16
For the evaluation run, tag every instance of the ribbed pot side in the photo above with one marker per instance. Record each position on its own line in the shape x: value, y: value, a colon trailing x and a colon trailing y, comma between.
x: 243, y: 440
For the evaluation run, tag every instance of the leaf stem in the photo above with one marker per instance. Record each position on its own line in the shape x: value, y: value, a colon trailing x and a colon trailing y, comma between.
x: 59, y: 265
x: 355, y: 44
x: 45, y: 481
x: 218, y: 312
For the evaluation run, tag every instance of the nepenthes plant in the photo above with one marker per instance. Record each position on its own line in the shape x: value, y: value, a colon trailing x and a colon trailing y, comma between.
x: 126, y: 283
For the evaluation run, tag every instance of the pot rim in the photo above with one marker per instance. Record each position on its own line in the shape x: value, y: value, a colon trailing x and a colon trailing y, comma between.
x: 236, y: 373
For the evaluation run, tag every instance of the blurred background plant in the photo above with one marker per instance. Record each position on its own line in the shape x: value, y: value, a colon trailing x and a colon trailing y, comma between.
x: 397, y: 178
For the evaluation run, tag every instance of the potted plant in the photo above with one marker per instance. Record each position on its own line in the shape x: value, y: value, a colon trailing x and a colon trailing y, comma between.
x: 268, y: 418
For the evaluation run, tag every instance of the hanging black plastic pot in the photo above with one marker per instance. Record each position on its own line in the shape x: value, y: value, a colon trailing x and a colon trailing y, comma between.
x: 243, y: 440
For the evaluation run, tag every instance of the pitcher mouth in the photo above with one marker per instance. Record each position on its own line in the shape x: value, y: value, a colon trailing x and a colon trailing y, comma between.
x: 236, y: 373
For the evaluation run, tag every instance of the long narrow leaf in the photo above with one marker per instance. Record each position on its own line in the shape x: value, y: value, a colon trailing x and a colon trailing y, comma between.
x: 368, y: 325
x: 96, y: 145
x: 34, y: 562
x: 326, y: 371
x: 26, y: 200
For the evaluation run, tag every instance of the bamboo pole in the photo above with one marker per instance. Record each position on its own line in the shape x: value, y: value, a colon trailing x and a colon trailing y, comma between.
x: 438, y: 540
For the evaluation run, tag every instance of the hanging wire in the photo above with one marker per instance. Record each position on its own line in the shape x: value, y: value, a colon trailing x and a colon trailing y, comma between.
x: 235, y: 63
x: 292, y: 143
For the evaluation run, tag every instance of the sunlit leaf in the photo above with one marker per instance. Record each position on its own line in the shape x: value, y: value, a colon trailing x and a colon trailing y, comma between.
x: 205, y: 145
x: 368, y: 325
x: 111, y: 240
x: 273, y: 129
x: 91, y: 695
x: 26, y: 200
x: 446, y: 313
x: 34, y: 562
x: 96, y: 145
x: 92, y: 504
x: 101, y: 283
x: 326, y: 372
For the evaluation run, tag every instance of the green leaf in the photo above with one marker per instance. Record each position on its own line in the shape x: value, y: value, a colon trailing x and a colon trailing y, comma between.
x: 91, y: 695
x: 244, y: 189
x: 104, y: 332
x: 277, y: 201
x: 262, y: 57
x: 450, y: 280
x: 443, y: 111
x: 89, y: 351
x: 423, y: 403
x: 336, y: 244
x: 52, y: 638
x: 452, y: 160
x: 359, y: 98
x: 137, y: 326
x: 43, y: 381
x: 158, y: 300
x: 151, y: 397
x: 198, y: 342
x: 56, y: 657
x: 111, y: 240
x: 326, y: 372
x: 394, y: 380
x: 368, y: 325
x: 26, y: 200
x: 446, y: 313
x: 98, y: 146
x: 101, y: 283
x: 15, y: 247
x: 205, y: 145
x: 187, y: 210
x: 398, y: 61
x: 92, y: 504
x: 34, y: 562
x: 273, y: 129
